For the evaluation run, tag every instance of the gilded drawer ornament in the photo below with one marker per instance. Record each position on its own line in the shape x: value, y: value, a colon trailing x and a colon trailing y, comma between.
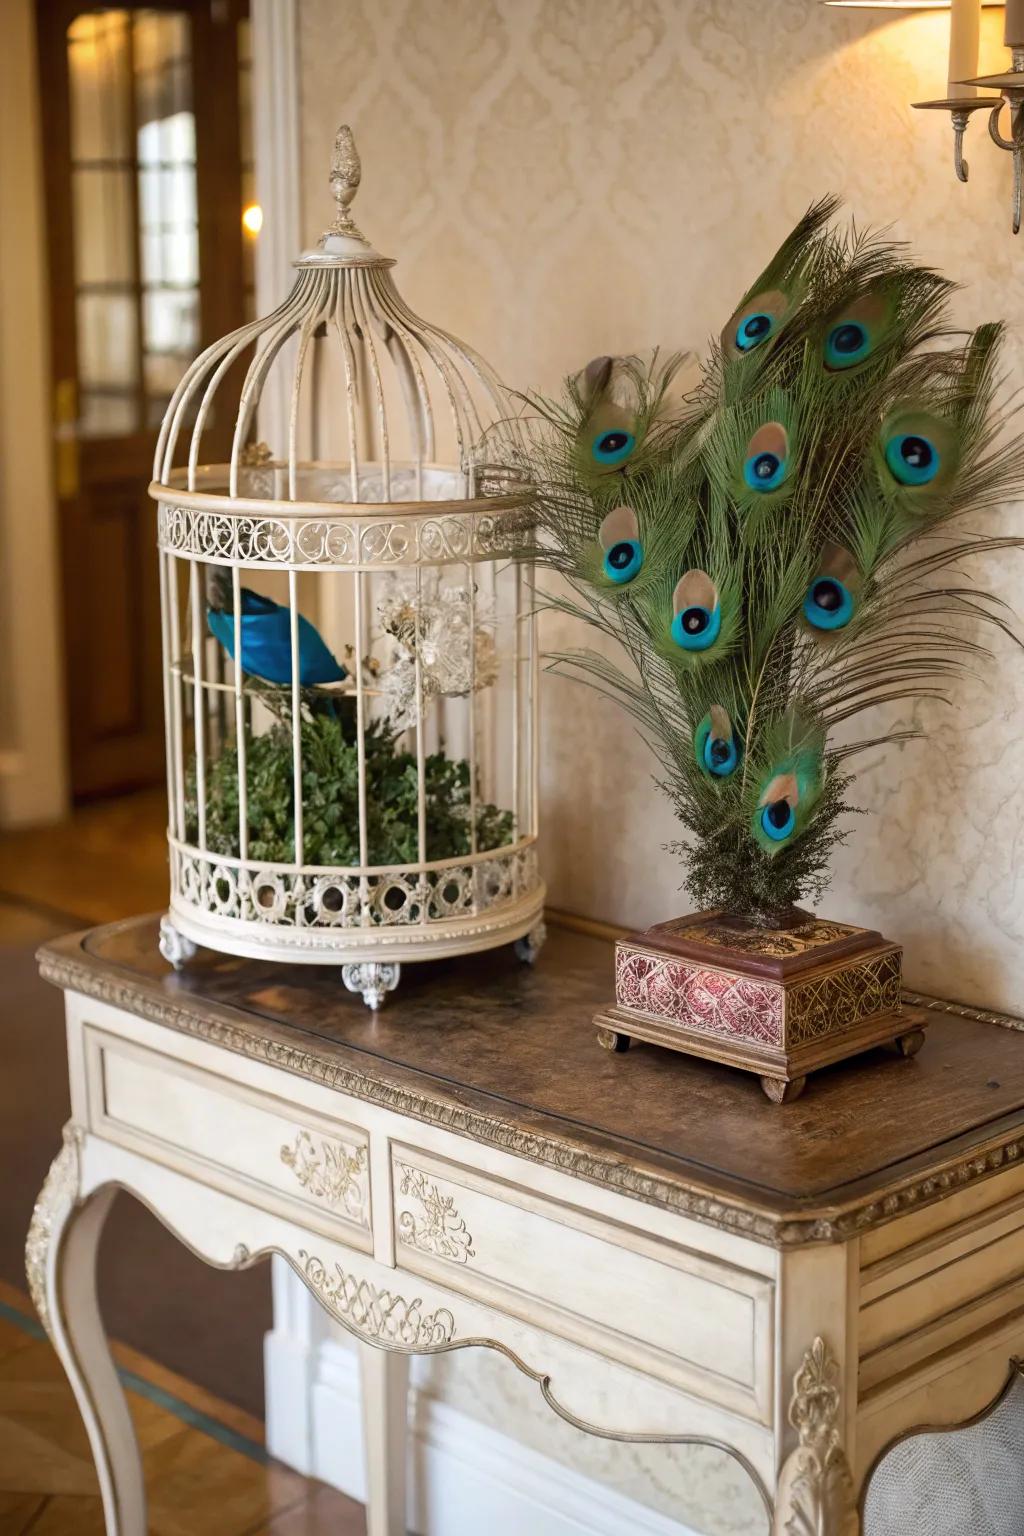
x: 437, y: 1227
x: 374, y: 1313
x: 329, y: 1172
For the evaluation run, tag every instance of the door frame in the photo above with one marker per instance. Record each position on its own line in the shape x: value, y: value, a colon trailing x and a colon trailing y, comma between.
x: 33, y: 744
x: 33, y: 747
x: 112, y: 669
x: 276, y: 98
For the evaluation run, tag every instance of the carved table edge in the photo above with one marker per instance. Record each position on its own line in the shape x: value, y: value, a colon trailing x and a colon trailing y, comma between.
x: 965, y: 1010
x: 783, y: 1228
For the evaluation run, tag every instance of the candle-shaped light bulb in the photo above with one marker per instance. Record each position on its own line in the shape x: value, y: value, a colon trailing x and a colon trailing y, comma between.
x: 1014, y: 33
x: 964, y: 30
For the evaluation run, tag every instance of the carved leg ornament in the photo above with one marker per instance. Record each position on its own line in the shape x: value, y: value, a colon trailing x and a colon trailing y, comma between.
x: 175, y: 948
x: 815, y: 1494
x: 60, y: 1263
x: 55, y: 1203
x: 530, y: 945
x: 374, y: 979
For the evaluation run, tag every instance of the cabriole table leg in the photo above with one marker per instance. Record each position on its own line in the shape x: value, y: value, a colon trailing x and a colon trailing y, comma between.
x: 60, y: 1262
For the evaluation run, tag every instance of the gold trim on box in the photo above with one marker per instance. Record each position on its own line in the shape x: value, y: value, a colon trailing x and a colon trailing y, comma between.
x: 774, y: 944
x: 831, y: 1002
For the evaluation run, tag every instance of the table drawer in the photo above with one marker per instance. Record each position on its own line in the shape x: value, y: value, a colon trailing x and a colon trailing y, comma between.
x: 236, y: 1136
x: 696, y: 1322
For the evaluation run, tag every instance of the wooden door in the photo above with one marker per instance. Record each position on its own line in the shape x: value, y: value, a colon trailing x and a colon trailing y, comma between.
x: 147, y: 173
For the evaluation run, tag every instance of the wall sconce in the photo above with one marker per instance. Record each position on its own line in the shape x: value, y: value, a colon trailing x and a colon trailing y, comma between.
x: 966, y: 86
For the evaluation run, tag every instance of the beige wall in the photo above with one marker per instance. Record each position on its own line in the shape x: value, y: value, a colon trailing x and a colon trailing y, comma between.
x: 567, y: 177
x: 32, y: 762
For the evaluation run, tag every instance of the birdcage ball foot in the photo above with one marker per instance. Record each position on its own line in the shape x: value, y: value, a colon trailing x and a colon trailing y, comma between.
x: 530, y: 945
x: 374, y: 979
x: 175, y: 948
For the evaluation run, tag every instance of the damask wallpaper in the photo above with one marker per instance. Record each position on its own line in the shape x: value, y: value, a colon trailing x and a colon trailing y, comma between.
x: 568, y: 177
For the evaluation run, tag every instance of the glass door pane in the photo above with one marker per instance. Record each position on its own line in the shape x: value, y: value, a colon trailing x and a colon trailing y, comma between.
x: 134, y: 206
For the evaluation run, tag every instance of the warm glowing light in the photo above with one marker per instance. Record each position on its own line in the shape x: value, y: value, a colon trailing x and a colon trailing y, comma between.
x: 900, y: 5
x: 252, y: 219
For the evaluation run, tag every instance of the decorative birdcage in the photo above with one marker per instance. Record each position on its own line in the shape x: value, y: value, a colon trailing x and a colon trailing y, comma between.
x: 349, y: 653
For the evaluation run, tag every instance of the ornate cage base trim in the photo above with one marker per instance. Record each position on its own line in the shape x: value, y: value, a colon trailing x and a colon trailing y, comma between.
x: 501, y: 924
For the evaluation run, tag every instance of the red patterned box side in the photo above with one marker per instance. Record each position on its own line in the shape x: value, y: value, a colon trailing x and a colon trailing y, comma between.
x: 714, y: 1002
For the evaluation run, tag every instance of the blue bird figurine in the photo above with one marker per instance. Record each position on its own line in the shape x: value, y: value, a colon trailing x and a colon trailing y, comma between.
x: 266, y: 642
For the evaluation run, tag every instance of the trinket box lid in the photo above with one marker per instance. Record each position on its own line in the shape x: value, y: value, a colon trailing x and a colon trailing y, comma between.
x: 714, y: 938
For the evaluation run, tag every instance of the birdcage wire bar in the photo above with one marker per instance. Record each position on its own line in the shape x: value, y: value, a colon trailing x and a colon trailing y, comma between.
x: 408, y: 496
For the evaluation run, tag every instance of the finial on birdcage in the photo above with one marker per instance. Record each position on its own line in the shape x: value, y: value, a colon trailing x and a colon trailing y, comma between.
x: 346, y: 174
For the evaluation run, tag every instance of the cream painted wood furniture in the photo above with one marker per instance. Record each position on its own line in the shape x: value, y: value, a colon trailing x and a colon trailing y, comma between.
x: 667, y: 1255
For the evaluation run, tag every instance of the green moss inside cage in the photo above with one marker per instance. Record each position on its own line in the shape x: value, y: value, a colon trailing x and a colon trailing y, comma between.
x: 330, y: 798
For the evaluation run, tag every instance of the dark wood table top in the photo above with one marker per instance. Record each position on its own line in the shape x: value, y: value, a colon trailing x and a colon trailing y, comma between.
x: 507, y: 1055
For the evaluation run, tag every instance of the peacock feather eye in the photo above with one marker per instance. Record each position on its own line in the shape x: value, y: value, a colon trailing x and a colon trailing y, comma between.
x: 847, y: 344
x: 920, y: 451
x: 714, y: 744
x: 852, y: 334
x: 778, y: 819
x: 828, y: 604
x: 609, y: 437
x: 755, y: 322
x: 623, y: 561
x: 697, y: 614
x: 791, y: 785
x: 619, y: 537
x: 832, y: 596
x: 753, y: 329
x: 775, y: 820
x: 912, y: 459
x: 696, y: 628
x: 767, y: 458
x: 613, y: 447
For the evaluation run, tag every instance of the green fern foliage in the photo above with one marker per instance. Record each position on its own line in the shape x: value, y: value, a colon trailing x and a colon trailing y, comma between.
x: 330, y: 788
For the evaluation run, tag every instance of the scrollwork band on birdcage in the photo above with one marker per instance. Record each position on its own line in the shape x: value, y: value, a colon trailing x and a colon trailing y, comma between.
x: 250, y: 892
x: 346, y: 543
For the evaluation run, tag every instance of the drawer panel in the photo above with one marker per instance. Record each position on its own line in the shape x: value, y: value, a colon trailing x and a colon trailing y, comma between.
x: 185, y: 1117
x: 697, y: 1323
x: 949, y: 1285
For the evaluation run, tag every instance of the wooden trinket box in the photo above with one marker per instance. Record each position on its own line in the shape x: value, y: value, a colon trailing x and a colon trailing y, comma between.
x: 780, y: 1002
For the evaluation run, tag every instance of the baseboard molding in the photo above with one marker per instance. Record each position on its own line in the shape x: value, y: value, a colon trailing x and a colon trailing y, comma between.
x: 464, y: 1477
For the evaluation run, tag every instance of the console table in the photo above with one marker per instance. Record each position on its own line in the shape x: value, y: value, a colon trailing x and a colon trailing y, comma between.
x: 666, y: 1254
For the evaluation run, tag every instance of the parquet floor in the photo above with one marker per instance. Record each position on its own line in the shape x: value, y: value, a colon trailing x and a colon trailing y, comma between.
x: 108, y: 861
x: 207, y: 1475
x: 207, y: 1472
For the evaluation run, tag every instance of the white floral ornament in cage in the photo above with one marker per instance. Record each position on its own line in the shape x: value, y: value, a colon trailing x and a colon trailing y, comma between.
x: 349, y: 653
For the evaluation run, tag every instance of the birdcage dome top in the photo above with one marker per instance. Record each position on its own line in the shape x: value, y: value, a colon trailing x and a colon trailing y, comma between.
x: 375, y: 407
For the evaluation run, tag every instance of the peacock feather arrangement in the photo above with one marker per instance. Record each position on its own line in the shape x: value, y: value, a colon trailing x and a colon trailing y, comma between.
x: 782, y: 550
